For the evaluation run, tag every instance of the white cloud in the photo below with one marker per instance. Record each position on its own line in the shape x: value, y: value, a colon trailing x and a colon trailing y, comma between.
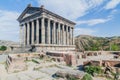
x: 8, y: 25
x: 112, y: 4
x: 71, y: 9
x: 93, y: 21
x: 85, y: 31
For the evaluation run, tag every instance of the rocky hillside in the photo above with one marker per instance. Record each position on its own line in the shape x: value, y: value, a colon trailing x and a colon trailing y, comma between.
x: 86, y: 42
x: 7, y: 43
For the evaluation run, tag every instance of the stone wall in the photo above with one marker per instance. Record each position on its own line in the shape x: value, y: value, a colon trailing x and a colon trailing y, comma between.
x: 16, y: 62
x: 69, y: 57
x: 103, y: 63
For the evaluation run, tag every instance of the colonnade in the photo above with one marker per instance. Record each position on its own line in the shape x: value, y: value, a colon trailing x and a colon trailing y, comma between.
x: 46, y: 31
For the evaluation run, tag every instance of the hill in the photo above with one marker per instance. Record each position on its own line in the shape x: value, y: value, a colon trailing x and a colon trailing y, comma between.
x: 7, y: 43
x: 87, y: 42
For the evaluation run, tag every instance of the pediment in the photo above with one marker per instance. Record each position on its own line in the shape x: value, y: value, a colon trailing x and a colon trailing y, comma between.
x: 27, y: 12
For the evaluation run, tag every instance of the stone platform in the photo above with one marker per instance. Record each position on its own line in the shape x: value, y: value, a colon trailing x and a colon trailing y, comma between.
x: 42, y: 48
x: 54, y: 47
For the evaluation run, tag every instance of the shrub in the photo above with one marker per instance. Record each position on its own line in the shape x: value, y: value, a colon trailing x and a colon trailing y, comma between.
x: 87, y: 77
x: 3, y: 48
x: 93, y: 69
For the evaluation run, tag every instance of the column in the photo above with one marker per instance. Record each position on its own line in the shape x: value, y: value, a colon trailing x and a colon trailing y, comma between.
x: 54, y: 33
x: 43, y: 30
x: 70, y: 36
x: 37, y: 31
x: 66, y: 35
x: 25, y: 34
x: 28, y: 33
x: 48, y: 31
x: 63, y: 35
x: 58, y: 33
x: 32, y: 32
x: 21, y: 35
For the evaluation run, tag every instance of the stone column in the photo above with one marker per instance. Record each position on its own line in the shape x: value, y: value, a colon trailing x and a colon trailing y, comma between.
x: 24, y: 26
x: 49, y: 32
x: 54, y: 33
x: 72, y: 37
x: 67, y: 35
x: 63, y: 35
x: 21, y: 34
x: 43, y: 30
x: 58, y: 33
x: 37, y: 31
x: 28, y: 33
x: 32, y: 32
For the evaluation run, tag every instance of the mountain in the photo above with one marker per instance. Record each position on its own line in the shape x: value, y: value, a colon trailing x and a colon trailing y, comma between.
x: 7, y: 43
x: 87, y: 42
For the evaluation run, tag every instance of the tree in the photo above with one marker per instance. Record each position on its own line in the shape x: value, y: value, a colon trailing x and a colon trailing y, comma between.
x: 3, y: 48
x: 114, y: 47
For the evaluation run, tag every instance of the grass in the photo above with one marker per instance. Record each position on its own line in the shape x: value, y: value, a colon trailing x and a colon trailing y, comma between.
x: 33, y: 60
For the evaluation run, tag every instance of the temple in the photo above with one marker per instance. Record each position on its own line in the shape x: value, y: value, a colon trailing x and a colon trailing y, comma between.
x: 45, y: 30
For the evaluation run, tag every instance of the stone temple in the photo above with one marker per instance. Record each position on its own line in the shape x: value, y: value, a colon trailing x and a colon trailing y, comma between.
x: 45, y: 30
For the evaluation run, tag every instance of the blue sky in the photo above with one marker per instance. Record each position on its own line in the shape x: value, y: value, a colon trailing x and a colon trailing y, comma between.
x: 92, y: 17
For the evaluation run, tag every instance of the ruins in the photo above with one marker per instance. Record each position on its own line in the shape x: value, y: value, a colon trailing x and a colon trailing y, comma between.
x: 52, y: 50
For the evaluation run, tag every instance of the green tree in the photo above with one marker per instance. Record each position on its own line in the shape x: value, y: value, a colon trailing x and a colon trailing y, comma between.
x: 3, y: 48
x: 115, y: 47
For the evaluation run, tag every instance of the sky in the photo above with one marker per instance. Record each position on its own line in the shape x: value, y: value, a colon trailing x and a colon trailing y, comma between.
x: 92, y: 17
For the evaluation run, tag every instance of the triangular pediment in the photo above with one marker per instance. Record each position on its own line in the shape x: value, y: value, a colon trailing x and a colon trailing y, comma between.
x: 27, y: 12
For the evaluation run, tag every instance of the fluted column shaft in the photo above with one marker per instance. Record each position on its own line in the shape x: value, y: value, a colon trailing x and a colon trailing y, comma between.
x: 24, y: 34
x: 67, y: 35
x: 37, y: 31
x: 28, y: 33
x: 43, y: 30
x: 49, y: 32
x: 32, y: 32
x: 63, y: 35
x: 54, y: 33
x: 72, y: 37
x: 58, y: 33
x: 21, y: 34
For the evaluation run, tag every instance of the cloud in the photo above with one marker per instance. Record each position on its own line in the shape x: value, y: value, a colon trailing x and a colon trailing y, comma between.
x: 9, y: 26
x: 85, y: 31
x: 112, y: 4
x: 93, y: 21
x: 71, y: 9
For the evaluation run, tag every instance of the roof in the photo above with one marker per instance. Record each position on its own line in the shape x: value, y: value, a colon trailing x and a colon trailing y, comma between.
x: 43, y: 10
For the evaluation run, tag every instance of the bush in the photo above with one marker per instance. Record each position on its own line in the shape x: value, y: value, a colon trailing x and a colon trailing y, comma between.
x: 93, y: 69
x: 87, y: 77
x: 3, y: 48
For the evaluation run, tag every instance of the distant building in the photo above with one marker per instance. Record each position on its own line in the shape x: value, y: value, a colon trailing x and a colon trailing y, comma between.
x: 45, y: 30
